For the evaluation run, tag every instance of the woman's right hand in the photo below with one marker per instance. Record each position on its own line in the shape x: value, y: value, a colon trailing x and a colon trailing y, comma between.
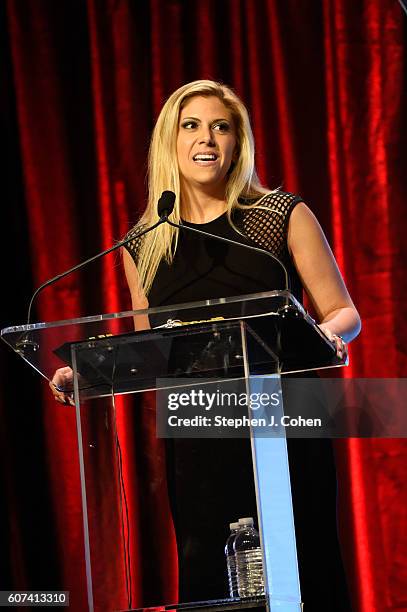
x: 62, y: 378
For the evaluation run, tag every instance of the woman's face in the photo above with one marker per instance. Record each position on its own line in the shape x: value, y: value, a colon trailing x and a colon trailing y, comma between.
x: 206, y: 143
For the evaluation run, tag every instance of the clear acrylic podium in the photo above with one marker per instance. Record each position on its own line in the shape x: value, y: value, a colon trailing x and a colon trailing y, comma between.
x: 251, y: 339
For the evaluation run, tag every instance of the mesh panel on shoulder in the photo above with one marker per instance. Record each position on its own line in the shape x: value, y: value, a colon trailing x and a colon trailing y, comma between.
x: 266, y: 224
x: 134, y: 246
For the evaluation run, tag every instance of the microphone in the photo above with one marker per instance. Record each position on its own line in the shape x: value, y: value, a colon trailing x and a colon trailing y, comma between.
x: 165, y: 207
x: 234, y: 242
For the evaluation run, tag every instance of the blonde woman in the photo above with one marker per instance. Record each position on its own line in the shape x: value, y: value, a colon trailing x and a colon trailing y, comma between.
x: 202, y: 149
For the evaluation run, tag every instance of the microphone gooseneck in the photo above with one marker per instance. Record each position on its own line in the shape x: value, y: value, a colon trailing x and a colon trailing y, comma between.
x: 88, y: 261
x: 165, y: 207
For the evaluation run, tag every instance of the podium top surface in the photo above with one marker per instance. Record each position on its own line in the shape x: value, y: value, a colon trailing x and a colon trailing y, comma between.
x: 267, y: 316
x: 235, y: 306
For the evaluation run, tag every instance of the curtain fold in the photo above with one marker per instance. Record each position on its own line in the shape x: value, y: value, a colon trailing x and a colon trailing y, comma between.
x: 325, y: 85
x: 364, y: 76
x: 49, y: 197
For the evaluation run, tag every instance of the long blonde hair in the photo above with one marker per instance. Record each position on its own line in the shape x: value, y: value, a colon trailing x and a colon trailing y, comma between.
x: 163, y: 172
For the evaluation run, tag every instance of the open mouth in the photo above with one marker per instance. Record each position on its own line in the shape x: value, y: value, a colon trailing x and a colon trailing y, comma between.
x: 205, y: 158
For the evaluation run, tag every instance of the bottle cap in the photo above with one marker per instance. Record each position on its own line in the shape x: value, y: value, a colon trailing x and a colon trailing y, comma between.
x: 248, y: 520
x: 234, y: 526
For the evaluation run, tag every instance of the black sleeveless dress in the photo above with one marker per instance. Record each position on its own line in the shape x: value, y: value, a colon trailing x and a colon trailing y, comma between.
x: 210, y: 481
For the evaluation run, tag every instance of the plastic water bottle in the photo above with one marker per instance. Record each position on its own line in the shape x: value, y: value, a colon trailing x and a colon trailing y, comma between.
x: 249, y: 562
x: 231, y: 561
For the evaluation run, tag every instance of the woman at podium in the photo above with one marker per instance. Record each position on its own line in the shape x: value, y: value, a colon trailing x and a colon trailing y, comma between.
x: 202, y: 149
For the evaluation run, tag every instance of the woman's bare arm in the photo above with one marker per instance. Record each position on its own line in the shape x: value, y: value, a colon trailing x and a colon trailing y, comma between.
x: 138, y: 299
x: 320, y: 276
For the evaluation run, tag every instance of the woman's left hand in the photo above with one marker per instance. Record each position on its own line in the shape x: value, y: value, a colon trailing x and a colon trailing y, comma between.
x: 341, y: 346
x: 62, y: 377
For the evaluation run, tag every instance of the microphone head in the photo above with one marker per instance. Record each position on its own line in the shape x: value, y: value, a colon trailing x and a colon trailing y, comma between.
x: 166, y: 204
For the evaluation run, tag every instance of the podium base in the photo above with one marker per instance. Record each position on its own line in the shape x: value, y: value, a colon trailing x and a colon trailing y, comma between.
x: 219, y: 605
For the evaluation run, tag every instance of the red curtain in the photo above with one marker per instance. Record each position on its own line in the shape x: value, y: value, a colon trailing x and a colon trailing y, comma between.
x: 324, y: 83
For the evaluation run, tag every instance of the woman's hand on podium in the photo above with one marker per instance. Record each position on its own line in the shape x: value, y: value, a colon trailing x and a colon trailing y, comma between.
x: 61, y: 379
x: 341, y: 346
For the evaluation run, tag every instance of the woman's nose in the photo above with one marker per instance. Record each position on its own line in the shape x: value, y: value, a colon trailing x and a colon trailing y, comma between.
x: 206, y: 135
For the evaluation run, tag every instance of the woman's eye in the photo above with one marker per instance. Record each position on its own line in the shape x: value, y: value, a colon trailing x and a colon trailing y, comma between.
x: 221, y: 127
x: 189, y: 125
